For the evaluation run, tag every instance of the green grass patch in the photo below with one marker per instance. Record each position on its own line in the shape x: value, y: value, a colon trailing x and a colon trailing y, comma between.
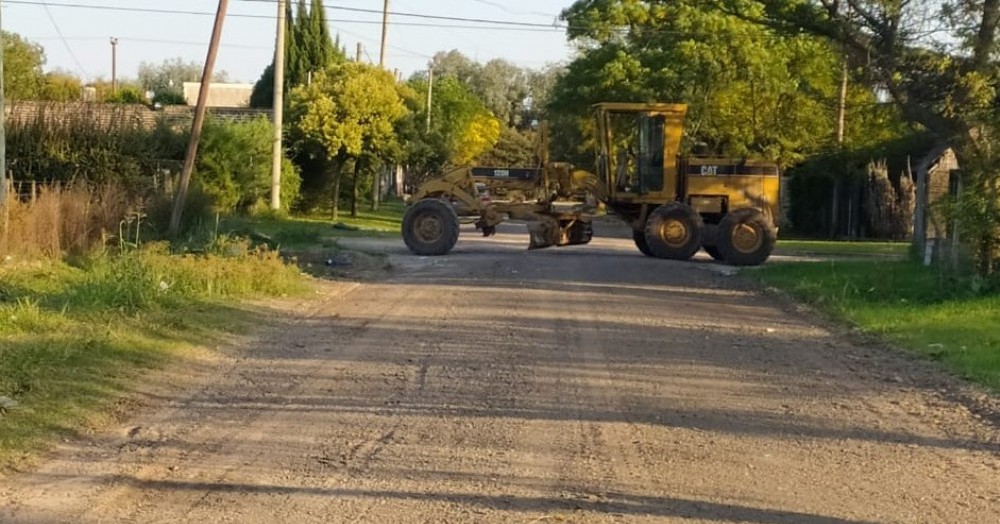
x: 300, y: 232
x: 73, y: 339
x: 831, y: 248
x: 910, y: 305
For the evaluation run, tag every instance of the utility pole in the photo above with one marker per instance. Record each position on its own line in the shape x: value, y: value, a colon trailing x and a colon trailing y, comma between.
x: 842, y: 106
x: 385, y: 33
x: 3, y: 136
x: 114, y: 65
x: 430, y: 94
x: 279, y: 108
x: 841, y: 125
x: 199, y: 119
x: 357, y: 54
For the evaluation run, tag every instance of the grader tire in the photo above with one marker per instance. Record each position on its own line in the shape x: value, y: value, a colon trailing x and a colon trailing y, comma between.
x: 639, y: 236
x: 673, y: 231
x: 746, y: 237
x: 430, y: 228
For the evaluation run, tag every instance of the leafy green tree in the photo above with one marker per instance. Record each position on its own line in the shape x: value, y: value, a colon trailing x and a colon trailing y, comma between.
x: 22, y: 71
x: 513, y: 149
x: 166, y: 80
x: 946, y: 80
x: 347, y: 116
x: 234, y: 165
x: 126, y: 94
x: 61, y: 87
x: 750, y: 91
x: 462, y: 128
x: 455, y: 64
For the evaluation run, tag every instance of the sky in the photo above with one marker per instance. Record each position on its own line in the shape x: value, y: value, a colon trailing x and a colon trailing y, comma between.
x: 76, y: 35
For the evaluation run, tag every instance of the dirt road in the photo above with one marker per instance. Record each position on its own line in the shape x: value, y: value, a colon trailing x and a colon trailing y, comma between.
x: 584, y: 384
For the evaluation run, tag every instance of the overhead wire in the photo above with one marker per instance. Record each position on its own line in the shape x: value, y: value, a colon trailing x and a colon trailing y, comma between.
x: 426, y: 16
x: 489, y: 24
x: 486, y: 24
x: 69, y: 49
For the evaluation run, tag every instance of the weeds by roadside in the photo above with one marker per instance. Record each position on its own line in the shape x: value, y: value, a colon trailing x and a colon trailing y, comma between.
x: 908, y: 304
x: 87, y: 306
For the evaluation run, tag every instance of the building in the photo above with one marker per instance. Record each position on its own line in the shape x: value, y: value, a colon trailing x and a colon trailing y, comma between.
x: 219, y: 94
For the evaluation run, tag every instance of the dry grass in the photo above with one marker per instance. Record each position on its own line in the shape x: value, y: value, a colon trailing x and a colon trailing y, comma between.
x: 64, y: 219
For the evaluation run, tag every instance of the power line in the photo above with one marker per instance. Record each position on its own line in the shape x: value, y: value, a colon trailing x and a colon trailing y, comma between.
x: 506, y: 9
x: 149, y: 41
x: 491, y: 24
x: 65, y: 43
x: 502, y: 25
x: 428, y: 17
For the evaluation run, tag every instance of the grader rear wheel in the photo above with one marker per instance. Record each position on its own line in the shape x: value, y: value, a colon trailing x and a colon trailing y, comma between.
x: 746, y: 237
x: 430, y: 228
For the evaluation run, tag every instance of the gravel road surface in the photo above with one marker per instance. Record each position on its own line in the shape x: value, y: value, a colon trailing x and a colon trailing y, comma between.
x: 580, y: 384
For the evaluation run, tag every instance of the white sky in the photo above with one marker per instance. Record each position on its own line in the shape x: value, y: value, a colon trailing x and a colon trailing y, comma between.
x: 248, y: 43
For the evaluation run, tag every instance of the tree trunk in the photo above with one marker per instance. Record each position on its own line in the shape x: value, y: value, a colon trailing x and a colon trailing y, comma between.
x: 354, y: 188
x: 377, y: 188
x: 336, y: 191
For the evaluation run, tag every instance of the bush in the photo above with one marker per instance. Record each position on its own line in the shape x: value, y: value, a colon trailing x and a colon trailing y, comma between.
x: 92, y: 143
x: 234, y: 166
x: 126, y: 95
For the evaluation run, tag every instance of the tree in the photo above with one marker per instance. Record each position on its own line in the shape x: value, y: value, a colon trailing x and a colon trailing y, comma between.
x: 22, y: 73
x: 938, y: 62
x: 750, y: 92
x: 503, y: 87
x: 462, y: 128
x: 234, y: 165
x: 347, y: 116
x: 61, y: 87
x: 453, y: 63
x: 308, y: 48
x: 125, y: 94
x: 166, y: 80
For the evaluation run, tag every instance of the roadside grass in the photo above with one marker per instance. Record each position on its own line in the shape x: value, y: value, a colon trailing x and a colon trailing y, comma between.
x: 299, y: 232
x: 75, y: 338
x: 820, y: 247
x: 908, y: 304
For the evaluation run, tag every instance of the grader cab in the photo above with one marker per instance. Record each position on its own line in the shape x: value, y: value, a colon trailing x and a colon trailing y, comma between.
x: 675, y: 205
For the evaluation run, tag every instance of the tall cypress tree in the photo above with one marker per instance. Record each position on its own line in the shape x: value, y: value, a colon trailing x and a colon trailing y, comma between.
x: 308, y: 48
x: 263, y: 89
x: 321, y: 45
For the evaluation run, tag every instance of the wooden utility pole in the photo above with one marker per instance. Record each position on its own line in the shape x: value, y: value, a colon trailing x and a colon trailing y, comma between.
x: 842, y: 106
x: 114, y: 65
x: 430, y: 94
x: 279, y: 107
x: 3, y: 137
x: 385, y: 33
x: 199, y: 119
x: 357, y: 53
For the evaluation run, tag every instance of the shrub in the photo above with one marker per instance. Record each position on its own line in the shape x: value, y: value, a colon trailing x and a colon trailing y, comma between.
x: 234, y: 165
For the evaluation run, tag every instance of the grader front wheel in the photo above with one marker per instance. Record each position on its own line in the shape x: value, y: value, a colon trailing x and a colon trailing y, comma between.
x: 639, y: 236
x: 430, y: 227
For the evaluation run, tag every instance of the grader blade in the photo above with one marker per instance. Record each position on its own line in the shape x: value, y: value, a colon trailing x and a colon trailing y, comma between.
x: 543, y: 233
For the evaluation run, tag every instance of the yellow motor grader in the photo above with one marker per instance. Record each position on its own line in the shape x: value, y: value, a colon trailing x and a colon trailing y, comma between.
x: 675, y: 205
